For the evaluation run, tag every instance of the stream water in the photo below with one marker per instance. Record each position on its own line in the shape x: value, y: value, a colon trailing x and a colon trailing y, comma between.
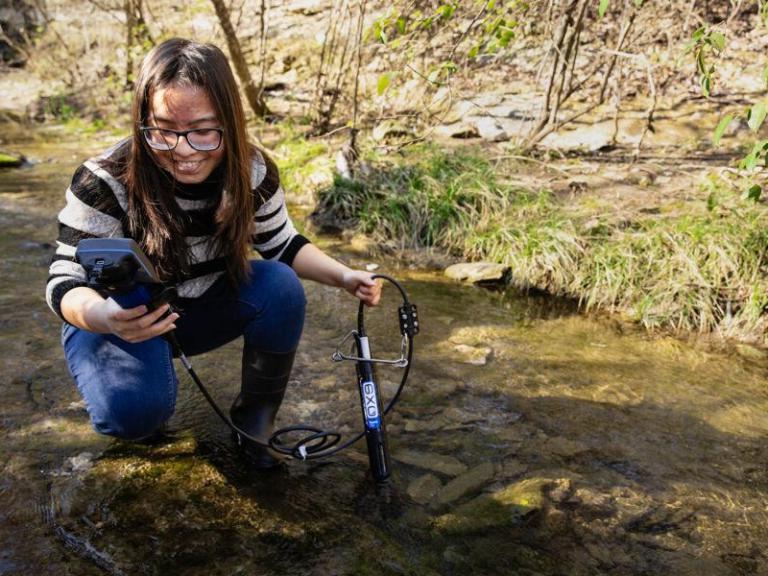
x: 530, y: 439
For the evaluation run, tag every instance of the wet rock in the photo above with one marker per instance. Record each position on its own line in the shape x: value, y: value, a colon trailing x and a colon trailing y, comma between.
x: 447, y: 465
x: 81, y: 463
x: 512, y: 468
x: 565, y: 447
x: 424, y: 488
x: 512, y: 435
x: 660, y: 519
x: 77, y: 465
x: 478, y: 272
x: 11, y: 160
x: 78, y: 406
x: 459, y: 416
x: 468, y: 482
x: 477, y: 356
x: 329, y: 382
x: 592, y: 505
x: 507, y: 507
x: 560, y: 490
x: 306, y: 409
x: 437, y: 422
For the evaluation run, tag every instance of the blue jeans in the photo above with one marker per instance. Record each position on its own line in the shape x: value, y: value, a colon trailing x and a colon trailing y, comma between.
x: 130, y: 389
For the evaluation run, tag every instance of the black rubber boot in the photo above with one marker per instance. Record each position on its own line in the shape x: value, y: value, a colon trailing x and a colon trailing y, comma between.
x: 264, y: 380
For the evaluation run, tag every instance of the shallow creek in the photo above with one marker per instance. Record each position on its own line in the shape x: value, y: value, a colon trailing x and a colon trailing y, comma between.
x: 530, y: 440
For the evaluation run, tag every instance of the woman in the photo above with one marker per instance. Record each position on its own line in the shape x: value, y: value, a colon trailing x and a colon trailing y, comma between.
x: 196, y: 196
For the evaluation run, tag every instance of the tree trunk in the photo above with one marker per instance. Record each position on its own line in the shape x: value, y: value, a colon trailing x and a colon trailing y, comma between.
x: 253, y: 93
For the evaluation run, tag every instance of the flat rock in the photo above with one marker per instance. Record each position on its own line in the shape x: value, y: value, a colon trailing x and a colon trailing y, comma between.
x: 506, y: 507
x: 490, y: 129
x: 589, y: 138
x: 565, y: 447
x: 475, y: 355
x: 478, y: 272
x: 470, y: 481
x: 308, y: 7
x: 459, y: 110
x: 460, y: 130
x: 447, y: 465
x: 424, y: 488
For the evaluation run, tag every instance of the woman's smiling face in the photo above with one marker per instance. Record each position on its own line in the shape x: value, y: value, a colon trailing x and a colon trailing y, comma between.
x: 185, y: 107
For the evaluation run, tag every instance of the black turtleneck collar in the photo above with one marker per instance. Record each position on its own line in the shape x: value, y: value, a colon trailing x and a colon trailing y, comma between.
x: 208, y: 188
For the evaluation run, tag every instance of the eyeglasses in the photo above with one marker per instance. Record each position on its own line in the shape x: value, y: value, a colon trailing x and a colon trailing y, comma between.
x: 201, y: 139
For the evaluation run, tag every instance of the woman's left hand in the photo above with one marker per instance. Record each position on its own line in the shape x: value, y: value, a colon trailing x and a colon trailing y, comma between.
x: 361, y: 285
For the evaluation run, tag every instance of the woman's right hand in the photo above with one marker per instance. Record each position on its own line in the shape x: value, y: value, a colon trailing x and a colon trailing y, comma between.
x: 135, y: 324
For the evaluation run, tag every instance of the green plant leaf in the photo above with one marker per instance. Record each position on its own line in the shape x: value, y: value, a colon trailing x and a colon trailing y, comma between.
x: 725, y: 121
x: 753, y: 193
x: 602, y: 8
x: 765, y: 75
x: 400, y: 25
x: 706, y: 85
x: 717, y: 40
x: 383, y: 83
x: 756, y: 116
x: 711, y: 202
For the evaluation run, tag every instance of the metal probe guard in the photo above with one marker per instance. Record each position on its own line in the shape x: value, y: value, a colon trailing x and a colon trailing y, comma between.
x: 402, y: 362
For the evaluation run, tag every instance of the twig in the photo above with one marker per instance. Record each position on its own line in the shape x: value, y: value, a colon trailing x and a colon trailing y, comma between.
x: 353, y: 132
x: 468, y: 30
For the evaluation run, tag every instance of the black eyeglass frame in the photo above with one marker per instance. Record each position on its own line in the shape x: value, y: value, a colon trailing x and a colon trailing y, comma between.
x: 145, y: 129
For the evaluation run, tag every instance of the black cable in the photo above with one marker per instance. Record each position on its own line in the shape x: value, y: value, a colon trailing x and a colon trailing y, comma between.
x: 319, y: 443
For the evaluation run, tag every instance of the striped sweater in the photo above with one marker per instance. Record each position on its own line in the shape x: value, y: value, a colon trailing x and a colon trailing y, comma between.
x: 96, y: 205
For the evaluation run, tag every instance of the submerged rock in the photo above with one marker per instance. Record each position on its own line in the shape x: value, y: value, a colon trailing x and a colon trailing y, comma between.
x: 447, y: 465
x: 565, y: 447
x: 468, y: 482
x: 424, y: 488
x: 507, y: 507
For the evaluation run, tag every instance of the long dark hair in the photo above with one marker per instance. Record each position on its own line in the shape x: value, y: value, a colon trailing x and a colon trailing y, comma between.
x: 154, y: 217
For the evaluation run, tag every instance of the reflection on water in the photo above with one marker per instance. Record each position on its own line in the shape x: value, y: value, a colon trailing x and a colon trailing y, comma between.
x: 530, y: 440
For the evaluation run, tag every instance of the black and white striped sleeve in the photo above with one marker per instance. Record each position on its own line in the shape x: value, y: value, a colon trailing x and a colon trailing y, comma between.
x: 275, y: 237
x: 91, y: 211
